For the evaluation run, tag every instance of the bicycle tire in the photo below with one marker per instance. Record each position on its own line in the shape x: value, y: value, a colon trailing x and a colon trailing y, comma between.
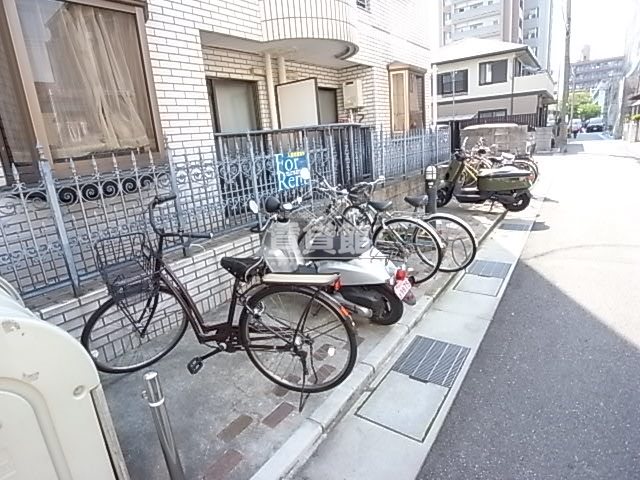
x: 103, y: 310
x: 290, y: 382
x: 421, y: 275
x: 431, y: 219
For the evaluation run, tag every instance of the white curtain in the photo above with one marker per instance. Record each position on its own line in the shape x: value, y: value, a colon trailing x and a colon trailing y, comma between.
x: 95, y: 100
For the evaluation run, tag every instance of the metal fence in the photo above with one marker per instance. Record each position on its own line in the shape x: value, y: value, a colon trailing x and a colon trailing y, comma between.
x: 47, y: 230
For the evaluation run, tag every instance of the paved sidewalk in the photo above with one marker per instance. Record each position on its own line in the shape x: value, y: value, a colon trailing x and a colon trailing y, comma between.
x: 229, y: 420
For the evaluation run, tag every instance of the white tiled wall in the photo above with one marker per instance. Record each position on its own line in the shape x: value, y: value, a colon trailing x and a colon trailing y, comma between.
x: 391, y: 31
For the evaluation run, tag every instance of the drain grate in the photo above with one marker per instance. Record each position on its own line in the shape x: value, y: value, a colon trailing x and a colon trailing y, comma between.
x: 432, y: 361
x: 520, y: 227
x: 486, y: 268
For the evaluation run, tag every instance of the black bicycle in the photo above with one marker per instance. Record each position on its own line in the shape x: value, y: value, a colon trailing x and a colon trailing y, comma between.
x: 293, y: 331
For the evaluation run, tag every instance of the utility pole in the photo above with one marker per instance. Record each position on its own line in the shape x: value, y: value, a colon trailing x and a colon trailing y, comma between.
x: 565, y: 86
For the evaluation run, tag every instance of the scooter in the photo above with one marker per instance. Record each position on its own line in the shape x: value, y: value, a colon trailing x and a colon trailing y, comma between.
x: 506, y: 185
x: 370, y: 285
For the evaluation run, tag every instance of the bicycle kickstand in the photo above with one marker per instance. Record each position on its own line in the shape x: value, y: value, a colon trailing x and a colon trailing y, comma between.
x: 196, y: 364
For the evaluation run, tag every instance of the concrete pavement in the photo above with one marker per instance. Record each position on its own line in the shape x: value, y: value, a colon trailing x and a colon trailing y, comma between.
x: 553, y: 391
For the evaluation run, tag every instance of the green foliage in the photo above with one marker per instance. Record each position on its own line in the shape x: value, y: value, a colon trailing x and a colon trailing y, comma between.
x: 578, y: 98
x: 588, y: 110
x: 636, y: 118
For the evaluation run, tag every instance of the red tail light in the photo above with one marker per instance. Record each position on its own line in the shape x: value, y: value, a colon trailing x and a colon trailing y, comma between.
x: 401, y: 274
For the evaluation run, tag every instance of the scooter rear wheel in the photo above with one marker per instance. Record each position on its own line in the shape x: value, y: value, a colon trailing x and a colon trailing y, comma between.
x: 521, y: 202
x: 392, y: 307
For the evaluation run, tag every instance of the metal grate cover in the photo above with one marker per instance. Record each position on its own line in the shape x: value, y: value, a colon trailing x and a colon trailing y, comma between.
x: 433, y: 361
x: 520, y: 227
x: 486, y: 268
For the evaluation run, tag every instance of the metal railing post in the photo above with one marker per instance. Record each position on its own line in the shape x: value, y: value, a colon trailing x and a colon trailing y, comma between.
x: 404, y: 154
x: 56, y: 213
x: 382, y: 152
x: 254, y: 177
x: 174, y: 188
x: 154, y: 396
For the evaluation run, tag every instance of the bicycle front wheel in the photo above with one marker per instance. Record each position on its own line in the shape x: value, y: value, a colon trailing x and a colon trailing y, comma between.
x: 460, y: 245
x: 410, y: 242
x: 132, y: 332
x: 297, y: 338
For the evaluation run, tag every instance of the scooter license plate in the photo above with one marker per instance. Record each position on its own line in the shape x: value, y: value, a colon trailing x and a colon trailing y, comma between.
x: 401, y: 288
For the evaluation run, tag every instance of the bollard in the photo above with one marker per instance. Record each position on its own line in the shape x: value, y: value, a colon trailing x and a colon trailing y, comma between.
x: 431, y: 178
x: 153, y: 394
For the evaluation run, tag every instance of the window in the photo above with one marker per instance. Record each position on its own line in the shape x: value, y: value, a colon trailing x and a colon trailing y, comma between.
x: 446, y: 82
x: 447, y: 16
x: 532, y: 33
x: 532, y: 13
x: 492, y: 113
x: 407, y: 100
x: 534, y: 50
x: 234, y: 105
x: 363, y: 4
x: 328, y: 102
x: 86, y: 79
x: 493, y: 72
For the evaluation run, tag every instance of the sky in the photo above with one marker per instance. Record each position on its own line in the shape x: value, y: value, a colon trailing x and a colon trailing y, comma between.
x: 600, y: 23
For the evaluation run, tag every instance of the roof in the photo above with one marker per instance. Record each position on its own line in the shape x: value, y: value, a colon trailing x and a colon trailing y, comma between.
x: 469, y: 48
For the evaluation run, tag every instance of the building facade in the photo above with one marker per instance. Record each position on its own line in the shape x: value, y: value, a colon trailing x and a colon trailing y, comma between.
x: 94, y: 78
x: 483, y: 79
x: 588, y: 74
x: 517, y: 21
x: 629, y: 87
x: 537, y: 29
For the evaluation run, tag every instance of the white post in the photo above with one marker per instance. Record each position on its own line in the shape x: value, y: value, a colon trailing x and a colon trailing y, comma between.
x: 282, y: 70
x: 271, y: 92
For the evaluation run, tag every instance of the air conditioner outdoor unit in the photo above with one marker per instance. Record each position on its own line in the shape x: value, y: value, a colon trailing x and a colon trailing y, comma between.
x: 352, y: 94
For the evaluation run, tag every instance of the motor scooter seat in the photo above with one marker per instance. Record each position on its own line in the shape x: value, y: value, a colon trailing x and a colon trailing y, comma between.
x: 417, y: 201
x: 381, y: 206
x: 502, y: 172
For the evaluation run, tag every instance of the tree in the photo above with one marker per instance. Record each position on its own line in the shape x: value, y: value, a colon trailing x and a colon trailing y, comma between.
x: 583, y: 106
x: 588, y: 110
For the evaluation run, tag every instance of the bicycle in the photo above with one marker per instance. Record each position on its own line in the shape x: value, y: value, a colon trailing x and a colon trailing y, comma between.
x: 398, y: 237
x: 149, y: 310
x: 459, y: 242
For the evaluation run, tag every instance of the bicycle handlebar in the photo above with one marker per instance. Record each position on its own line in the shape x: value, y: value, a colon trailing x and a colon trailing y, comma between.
x: 159, y: 200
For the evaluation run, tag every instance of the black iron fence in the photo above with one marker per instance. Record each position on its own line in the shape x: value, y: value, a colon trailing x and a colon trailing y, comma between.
x: 47, y: 230
x: 530, y: 119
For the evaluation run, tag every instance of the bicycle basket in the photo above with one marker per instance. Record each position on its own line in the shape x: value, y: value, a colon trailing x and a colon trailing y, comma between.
x: 127, y: 266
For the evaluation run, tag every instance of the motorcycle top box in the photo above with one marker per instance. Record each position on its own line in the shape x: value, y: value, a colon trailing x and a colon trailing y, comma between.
x: 504, y: 178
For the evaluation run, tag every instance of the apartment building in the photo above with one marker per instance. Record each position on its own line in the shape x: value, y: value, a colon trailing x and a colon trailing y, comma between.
x: 517, y: 21
x: 537, y: 29
x: 93, y: 78
x: 588, y: 74
x: 487, y: 79
x: 628, y: 100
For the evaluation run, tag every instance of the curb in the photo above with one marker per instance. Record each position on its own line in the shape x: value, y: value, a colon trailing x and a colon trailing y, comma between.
x: 297, y: 449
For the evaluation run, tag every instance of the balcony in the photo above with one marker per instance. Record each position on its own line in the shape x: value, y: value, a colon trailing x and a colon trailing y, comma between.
x: 539, y: 82
x: 301, y: 24
x: 480, y: 12
x: 486, y: 31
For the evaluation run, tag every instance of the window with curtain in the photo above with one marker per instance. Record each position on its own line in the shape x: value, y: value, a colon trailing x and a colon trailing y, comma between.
x: 493, y: 72
x: 16, y: 140
x: 89, y: 77
x: 416, y: 100
x: 234, y: 105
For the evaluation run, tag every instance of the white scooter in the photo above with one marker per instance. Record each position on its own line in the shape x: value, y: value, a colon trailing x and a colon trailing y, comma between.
x: 370, y: 285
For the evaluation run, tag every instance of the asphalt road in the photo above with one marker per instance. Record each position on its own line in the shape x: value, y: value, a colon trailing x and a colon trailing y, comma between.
x: 554, y: 392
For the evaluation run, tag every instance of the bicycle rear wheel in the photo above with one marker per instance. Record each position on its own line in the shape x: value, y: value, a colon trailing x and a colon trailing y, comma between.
x: 460, y: 245
x: 410, y: 242
x: 134, y: 331
x: 311, y: 354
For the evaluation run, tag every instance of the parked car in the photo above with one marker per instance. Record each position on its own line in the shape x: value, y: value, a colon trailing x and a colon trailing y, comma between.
x: 595, y: 125
x: 575, y: 127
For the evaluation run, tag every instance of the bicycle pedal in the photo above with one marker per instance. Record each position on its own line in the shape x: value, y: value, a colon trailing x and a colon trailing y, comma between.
x: 195, y: 365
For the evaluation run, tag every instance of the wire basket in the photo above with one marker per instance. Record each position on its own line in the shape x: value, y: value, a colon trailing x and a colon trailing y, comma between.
x: 127, y: 266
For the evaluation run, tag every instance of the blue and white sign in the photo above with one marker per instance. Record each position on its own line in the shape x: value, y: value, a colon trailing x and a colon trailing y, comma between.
x: 292, y: 169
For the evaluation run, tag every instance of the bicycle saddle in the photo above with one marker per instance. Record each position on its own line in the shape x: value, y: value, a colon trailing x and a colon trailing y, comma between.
x: 381, y: 206
x: 242, y: 268
x: 417, y: 201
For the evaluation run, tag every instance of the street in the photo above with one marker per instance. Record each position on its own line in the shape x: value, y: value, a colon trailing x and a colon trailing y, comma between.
x: 553, y: 391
